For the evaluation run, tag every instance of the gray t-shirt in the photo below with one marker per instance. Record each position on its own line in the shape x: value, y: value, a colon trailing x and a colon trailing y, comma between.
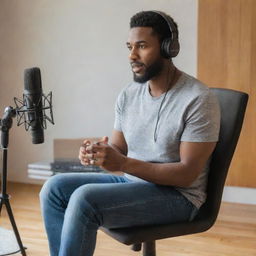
x: 190, y: 112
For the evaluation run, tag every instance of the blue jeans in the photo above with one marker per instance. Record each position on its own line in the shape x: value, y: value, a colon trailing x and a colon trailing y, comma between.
x: 75, y: 205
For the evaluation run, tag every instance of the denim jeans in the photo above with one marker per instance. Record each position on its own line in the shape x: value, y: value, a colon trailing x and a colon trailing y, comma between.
x: 75, y: 205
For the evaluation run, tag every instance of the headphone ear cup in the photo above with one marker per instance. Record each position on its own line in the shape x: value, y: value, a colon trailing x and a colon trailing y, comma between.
x: 174, y: 48
x: 165, y: 48
x: 169, y: 48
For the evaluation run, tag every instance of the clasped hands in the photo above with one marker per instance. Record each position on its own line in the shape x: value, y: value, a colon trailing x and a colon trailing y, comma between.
x: 101, y: 154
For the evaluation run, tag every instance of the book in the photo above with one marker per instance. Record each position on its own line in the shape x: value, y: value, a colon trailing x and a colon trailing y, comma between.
x: 45, y: 169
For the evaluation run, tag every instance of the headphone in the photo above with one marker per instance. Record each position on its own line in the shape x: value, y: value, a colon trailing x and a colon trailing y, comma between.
x: 170, y: 46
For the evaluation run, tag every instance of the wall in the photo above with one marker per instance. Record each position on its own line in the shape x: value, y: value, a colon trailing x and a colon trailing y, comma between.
x: 227, y: 58
x: 80, y: 48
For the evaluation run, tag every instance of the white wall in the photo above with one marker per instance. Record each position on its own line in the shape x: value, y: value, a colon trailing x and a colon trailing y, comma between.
x: 79, y: 46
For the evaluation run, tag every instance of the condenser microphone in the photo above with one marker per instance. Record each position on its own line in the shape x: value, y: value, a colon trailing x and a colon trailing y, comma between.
x: 35, y: 108
x: 32, y: 100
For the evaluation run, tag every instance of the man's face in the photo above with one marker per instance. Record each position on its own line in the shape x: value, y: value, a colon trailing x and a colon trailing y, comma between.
x: 145, y: 58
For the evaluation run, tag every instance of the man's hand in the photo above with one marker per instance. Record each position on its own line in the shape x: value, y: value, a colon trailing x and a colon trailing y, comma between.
x: 83, y: 152
x: 101, y: 154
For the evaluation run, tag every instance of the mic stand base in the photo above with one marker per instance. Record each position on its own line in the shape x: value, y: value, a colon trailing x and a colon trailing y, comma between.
x: 4, y: 199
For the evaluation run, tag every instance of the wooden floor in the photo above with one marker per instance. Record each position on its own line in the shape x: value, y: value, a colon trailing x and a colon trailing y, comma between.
x: 234, y: 233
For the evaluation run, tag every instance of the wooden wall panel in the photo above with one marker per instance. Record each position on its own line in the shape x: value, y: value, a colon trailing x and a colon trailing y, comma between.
x: 227, y: 59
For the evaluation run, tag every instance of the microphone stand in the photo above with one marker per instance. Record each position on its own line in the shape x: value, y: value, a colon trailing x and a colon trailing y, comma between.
x: 5, y: 126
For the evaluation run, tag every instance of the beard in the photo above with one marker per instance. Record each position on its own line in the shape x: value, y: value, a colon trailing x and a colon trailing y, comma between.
x: 151, y: 71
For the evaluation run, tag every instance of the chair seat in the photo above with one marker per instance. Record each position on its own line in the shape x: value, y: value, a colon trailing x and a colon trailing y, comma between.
x: 134, y: 235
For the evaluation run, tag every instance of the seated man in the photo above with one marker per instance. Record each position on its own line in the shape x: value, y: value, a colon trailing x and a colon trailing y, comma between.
x: 166, y: 127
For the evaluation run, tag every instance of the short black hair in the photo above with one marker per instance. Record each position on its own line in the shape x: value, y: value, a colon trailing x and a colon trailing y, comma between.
x: 155, y: 21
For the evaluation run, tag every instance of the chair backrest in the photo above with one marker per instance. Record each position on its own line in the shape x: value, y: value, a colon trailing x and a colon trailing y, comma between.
x: 232, y: 106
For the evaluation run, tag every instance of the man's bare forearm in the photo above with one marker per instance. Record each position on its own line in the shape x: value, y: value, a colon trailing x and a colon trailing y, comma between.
x: 170, y: 174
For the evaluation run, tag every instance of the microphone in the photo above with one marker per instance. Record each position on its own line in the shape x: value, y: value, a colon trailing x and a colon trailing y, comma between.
x: 32, y: 110
x: 33, y: 102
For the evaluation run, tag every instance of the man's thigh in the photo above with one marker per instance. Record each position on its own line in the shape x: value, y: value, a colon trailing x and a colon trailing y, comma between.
x: 63, y: 185
x: 137, y: 203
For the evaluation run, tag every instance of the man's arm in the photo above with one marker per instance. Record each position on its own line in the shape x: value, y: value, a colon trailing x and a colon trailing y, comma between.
x: 193, y: 157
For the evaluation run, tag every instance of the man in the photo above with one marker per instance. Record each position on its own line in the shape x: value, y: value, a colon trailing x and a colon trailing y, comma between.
x: 166, y: 128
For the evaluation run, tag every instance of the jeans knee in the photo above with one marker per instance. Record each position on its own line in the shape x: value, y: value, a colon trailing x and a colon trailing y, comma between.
x: 51, y: 186
x: 79, y: 197
x: 84, y: 200
x: 88, y: 193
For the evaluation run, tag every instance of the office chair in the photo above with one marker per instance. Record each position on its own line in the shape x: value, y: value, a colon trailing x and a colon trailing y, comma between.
x: 233, y: 105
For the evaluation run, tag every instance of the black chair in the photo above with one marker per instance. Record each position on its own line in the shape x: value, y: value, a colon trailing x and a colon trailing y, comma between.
x: 233, y: 106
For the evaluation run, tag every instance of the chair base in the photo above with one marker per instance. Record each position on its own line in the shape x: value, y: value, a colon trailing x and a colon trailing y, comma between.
x: 148, y: 248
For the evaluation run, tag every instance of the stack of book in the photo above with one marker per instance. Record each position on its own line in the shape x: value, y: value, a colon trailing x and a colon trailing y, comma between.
x: 45, y: 169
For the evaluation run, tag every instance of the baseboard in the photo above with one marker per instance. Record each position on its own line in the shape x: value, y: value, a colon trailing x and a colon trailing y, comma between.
x: 240, y: 195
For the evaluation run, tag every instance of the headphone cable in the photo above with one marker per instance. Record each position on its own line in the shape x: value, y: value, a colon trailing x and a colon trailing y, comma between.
x: 162, y: 102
